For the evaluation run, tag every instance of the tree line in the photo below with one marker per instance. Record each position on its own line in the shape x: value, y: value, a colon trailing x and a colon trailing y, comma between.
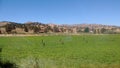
x: 37, y: 27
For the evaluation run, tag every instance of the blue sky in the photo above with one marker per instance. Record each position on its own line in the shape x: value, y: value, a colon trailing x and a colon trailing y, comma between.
x: 61, y: 11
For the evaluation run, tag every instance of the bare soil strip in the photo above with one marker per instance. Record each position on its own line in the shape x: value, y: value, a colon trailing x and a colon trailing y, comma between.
x: 47, y: 34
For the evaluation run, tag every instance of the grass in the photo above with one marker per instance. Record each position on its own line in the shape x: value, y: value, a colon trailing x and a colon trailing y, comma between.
x: 84, y: 51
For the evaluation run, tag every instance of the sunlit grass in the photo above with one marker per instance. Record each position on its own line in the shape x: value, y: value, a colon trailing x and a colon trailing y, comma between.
x: 86, y: 51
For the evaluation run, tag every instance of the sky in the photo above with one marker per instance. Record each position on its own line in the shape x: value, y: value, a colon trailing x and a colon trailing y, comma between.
x: 61, y: 11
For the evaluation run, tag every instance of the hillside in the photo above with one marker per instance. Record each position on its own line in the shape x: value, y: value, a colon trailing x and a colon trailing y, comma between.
x: 7, y: 27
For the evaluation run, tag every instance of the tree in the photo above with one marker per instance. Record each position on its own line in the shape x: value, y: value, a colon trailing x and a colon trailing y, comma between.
x: 25, y: 29
x: 62, y: 29
x: 86, y: 30
x: 49, y: 28
x: 56, y: 29
x: 0, y: 32
x: 36, y: 29
x: 8, y: 28
x: 103, y: 30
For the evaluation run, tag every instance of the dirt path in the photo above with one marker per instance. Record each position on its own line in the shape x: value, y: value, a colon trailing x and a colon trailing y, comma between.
x: 46, y: 34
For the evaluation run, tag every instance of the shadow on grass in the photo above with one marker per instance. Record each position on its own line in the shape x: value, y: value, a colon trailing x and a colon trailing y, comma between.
x: 6, y: 64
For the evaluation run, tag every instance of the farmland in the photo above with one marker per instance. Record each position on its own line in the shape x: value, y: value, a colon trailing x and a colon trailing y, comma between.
x: 62, y: 51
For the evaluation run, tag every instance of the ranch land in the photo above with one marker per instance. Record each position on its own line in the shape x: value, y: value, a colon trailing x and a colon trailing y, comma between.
x: 61, y: 51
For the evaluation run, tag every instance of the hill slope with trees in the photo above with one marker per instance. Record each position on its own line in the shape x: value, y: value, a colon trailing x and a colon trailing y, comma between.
x: 7, y: 27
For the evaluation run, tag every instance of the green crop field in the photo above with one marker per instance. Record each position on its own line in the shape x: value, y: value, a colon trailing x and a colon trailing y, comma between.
x: 62, y: 51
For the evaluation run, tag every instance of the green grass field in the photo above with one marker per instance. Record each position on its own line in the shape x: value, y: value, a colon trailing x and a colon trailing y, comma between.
x: 83, y: 51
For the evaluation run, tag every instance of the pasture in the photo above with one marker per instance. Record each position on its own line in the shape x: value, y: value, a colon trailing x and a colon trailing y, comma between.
x: 62, y: 51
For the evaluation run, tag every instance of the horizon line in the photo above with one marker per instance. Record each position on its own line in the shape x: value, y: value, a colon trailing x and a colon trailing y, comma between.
x: 59, y: 23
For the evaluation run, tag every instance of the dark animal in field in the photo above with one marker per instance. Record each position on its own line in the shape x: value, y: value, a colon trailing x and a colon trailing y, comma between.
x: 43, y: 43
x: 61, y: 41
